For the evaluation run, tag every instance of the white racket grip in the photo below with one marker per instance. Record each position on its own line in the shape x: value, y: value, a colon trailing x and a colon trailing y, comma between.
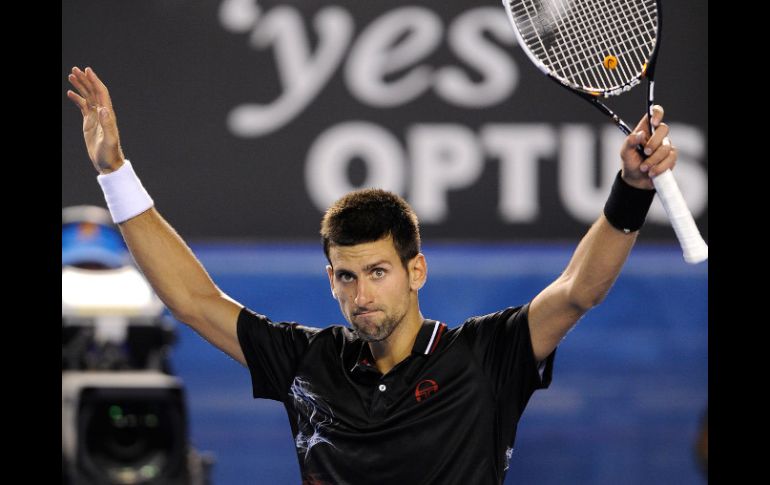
x: 693, y: 246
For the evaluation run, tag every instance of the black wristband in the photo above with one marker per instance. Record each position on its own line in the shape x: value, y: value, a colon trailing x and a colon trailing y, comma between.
x: 627, y: 206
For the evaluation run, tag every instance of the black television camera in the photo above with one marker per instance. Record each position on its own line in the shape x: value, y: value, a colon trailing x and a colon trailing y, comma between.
x: 124, y: 418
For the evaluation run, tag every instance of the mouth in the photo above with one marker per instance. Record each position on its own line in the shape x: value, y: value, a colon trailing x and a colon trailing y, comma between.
x: 364, y: 313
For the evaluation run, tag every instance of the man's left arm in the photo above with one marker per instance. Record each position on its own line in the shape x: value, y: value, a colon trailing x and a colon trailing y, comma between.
x: 599, y: 257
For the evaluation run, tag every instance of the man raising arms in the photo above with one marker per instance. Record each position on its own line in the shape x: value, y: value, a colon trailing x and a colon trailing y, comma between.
x: 396, y: 397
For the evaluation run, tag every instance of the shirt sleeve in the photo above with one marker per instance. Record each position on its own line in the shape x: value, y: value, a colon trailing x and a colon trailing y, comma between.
x: 502, y: 345
x: 273, y: 352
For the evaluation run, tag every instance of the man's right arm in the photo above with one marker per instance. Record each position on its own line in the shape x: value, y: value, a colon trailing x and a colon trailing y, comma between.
x: 181, y: 282
x: 167, y: 262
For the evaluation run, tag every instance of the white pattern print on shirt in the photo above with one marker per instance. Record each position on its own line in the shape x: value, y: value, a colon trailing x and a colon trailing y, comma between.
x: 508, y: 455
x: 313, y: 416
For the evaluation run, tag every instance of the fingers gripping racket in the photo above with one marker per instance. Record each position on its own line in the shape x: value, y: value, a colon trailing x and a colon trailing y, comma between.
x: 602, y: 48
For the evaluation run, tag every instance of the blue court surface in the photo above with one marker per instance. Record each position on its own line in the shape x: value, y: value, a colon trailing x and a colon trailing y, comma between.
x: 629, y: 387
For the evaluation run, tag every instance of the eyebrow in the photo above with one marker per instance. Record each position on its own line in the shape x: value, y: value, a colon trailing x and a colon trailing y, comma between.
x: 366, y: 268
x: 381, y: 262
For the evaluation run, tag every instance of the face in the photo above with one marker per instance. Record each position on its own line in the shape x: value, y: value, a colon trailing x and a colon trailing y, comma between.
x: 374, y: 290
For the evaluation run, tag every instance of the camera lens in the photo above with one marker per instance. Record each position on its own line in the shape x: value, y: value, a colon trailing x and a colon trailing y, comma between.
x: 132, y: 436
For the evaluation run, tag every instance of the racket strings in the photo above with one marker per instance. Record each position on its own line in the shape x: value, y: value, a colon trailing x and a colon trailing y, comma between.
x: 637, y: 42
x: 598, y: 32
x: 591, y: 46
x: 599, y: 35
x: 606, y: 37
x: 573, y: 38
x: 612, y: 36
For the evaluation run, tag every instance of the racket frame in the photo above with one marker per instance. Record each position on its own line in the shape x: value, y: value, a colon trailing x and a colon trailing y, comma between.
x: 694, y: 247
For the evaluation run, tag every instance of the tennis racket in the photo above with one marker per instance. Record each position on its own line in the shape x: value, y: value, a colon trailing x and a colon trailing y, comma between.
x: 602, y: 48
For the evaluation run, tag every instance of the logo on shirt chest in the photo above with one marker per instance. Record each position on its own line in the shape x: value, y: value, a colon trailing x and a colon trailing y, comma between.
x: 425, y: 389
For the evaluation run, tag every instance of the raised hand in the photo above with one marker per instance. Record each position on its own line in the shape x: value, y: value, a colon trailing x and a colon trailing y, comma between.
x: 638, y: 171
x: 100, y: 128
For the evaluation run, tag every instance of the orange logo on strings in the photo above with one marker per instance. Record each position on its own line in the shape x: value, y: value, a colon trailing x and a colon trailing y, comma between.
x: 610, y: 62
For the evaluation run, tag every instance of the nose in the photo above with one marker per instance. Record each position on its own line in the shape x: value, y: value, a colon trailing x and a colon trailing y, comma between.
x: 363, y: 295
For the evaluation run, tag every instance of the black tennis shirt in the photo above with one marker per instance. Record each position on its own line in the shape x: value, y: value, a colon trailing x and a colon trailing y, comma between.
x: 447, y: 414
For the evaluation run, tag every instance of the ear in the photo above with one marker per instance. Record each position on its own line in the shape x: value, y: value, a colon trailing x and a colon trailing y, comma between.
x: 418, y: 272
x: 330, y: 274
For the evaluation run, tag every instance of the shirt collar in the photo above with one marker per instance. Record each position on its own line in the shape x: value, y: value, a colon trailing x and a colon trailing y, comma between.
x: 364, y: 361
x: 426, y: 343
x: 428, y: 337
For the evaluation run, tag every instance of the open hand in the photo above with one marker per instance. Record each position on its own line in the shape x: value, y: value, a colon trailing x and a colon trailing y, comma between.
x: 100, y: 128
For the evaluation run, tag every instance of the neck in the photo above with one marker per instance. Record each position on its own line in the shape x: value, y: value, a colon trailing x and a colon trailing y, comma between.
x: 397, y: 347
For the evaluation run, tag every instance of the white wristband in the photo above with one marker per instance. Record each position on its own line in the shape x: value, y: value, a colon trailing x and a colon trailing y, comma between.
x: 124, y: 193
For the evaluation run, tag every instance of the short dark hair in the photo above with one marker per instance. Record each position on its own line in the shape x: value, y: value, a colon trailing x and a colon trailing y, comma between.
x: 369, y: 215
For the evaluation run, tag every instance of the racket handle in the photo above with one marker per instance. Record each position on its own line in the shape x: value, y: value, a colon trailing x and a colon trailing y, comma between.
x: 693, y: 246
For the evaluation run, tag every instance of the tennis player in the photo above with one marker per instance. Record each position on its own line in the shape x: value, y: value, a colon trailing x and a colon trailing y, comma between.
x: 395, y: 398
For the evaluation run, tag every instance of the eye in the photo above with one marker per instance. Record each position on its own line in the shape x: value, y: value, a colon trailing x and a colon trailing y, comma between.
x: 345, y: 277
x: 378, y: 273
